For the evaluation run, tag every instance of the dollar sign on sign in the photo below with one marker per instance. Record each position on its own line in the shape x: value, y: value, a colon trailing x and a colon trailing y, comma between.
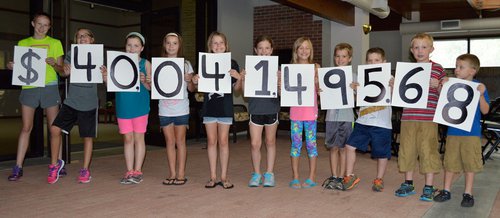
x: 31, y: 74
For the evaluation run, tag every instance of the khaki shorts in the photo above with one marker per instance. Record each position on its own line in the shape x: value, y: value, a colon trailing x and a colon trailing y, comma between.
x: 463, y: 153
x: 419, y: 141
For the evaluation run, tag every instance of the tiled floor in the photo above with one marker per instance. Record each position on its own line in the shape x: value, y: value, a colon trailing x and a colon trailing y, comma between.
x: 105, y: 197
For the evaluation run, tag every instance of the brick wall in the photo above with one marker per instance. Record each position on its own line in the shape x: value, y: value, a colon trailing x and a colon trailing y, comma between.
x: 285, y: 24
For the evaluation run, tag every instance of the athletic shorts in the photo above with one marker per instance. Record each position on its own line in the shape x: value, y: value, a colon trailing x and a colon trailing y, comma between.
x: 137, y: 125
x: 182, y: 120
x: 44, y: 97
x: 68, y: 117
x: 379, y: 138
x: 264, y: 120
x: 221, y: 120
x: 337, y: 134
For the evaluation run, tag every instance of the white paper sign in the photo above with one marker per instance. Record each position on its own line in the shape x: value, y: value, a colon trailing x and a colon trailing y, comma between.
x: 297, y: 85
x: 85, y: 63
x: 213, y: 69
x: 167, y: 78
x: 373, y: 89
x: 457, y: 104
x: 261, y: 80
x: 335, y: 90
x: 411, y: 85
x: 30, y: 67
x: 123, y: 72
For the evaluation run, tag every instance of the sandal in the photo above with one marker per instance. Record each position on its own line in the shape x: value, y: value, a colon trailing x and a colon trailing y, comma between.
x: 180, y: 181
x: 295, y: 184
x: 211, y: 184
x: 226, y: 184
x: 308, y: 184
x: 168, y: 181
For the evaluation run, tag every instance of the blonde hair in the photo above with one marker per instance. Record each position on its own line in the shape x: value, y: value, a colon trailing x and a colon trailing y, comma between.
x: 471, y: 59
x: 211, y: 37
x: 91, y: 34
x: 422, y: 36
x: 296, y: 45
x: 343, y: 46
x: 179, y: 52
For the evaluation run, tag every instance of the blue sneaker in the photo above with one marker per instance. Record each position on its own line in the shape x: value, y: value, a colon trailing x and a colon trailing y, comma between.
x: 269, y: 179
x: 255, y: 181
x: 17, y: 173
x: 405, y: 190
x: 428, y: 194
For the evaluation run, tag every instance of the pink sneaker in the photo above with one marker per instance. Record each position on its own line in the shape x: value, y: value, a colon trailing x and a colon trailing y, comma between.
x: 54, y: 171
x: 84, y: 176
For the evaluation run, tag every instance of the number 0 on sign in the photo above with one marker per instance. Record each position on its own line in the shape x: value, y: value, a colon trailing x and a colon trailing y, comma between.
x: 261, y: 76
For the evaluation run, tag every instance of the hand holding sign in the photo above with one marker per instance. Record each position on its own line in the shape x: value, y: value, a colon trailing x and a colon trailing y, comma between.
x: 123, y: 72
x: 30, y: 69
x: 373, y: 89
x: 167, y: 77
x: 261, y: 79
x: 334, y: 83
x: 411, y: 85
x: 214, y: 72
x: 85, y: 63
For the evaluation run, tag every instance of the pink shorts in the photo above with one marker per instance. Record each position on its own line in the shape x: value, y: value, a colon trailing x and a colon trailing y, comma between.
x: 137, y: 125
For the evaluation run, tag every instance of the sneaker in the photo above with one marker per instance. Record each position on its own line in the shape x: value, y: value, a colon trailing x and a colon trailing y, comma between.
x: 255, y: 181
x: 54, y: 171
x: 350, y: 182
x: 338, y: 184
x: 428, y: 194
x: 442, y: 196
x: 378, y: 185
x: 329, y: 182
x: 126, y: 180
x: 84, y: 176
x: 63, y: 172
x: 268, y: 179
x: 137, y: 177
x: 405, y: 190
x: 467, y: 200
x: 17, y: 173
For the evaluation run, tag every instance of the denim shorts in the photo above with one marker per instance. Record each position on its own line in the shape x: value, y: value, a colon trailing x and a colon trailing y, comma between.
x: 221, y: 120
x: 177, y: 121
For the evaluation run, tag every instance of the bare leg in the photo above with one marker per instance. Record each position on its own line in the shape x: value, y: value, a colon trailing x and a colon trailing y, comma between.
x: 342, y: 162
x: 271, y: 146
x: 295, y: 167
x: 223, y: 139
x: 211, y: 129
x: 448, y: 177
x: 28, y: 114
x: 87, y: 151
x: 180, y: 140
x: 128, y: 150
x: 469, y: 181
x: 55, y: 133
x: 334, y: 158
x: 312, y: 168
x: 429, y: 179
x: 169, y: 134
x: 350, y: 159
x: 256, y: 144
x: 381, y: 166
x: 139, y: 150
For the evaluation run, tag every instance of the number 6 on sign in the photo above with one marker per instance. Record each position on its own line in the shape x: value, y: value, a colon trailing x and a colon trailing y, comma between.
x: 457, y: 104
x: 411, y: 85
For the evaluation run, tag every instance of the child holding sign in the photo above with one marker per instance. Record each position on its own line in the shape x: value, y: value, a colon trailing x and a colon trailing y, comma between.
x: 263, y: 116
x: 45, y: 97
x: 79, y: 106
x: 303, y: 119
x: 174, y: 115
x: 338, y: 127
x: 132, y: 110
x: 373, y: 127
x: 463, y: 148
x: 419, y: 135
x: 218, y: 116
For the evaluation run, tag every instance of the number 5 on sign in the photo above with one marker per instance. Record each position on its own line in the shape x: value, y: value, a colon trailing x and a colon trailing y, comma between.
x: 261, y: 80
x: 457, y: 104
x: 411, y: 85
x: 373, y: 87
x: 29, y: 68
x: 335, y: 91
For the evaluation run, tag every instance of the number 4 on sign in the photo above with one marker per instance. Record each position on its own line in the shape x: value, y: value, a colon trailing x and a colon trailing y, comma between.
x: 457, y: 104
x: 411, y: 85
x: 29, y: 66
x: 85, y: 63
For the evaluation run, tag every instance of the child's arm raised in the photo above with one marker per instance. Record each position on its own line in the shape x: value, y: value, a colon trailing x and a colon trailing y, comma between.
x: 484, y: 106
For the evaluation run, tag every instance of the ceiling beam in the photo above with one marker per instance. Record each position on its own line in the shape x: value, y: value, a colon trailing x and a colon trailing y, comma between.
x: 402, y: 8
x: 338, y: 11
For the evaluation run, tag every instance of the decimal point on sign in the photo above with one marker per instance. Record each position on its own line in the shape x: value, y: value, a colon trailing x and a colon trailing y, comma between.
x: 137, y: 88
x: 388, y: 100
x: 274, y: 93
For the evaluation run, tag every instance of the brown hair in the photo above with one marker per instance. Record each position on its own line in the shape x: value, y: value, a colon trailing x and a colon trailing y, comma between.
x: 343, y: 46
x: 179, y: 52
x: 296, y: 45
x: 471, y: 59
x: 376, y: 50
x: 41, y: 13
x: 263, y: 38
x: 91, y: 34
x: 211, y: 37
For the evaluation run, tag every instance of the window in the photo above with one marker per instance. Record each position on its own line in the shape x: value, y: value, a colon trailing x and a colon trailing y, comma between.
x: 446, y: 51
x: 487, y: 49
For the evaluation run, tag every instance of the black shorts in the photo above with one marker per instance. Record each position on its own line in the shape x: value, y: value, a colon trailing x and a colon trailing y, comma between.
x: 264, y: 120
x: 68, y: 116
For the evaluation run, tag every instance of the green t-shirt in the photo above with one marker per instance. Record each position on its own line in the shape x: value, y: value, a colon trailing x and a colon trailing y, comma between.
x: 54, y: 50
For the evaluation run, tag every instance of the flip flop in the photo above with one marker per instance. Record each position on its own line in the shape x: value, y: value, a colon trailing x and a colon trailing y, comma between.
x: 226, y: 184
x: 168, y: 181
x: 308, y: 184
x: 180, y: 181
x: 211, y: 184
x: 295, y: 184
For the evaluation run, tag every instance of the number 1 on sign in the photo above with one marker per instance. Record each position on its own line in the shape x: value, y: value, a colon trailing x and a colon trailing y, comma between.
x: 261, y: 78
